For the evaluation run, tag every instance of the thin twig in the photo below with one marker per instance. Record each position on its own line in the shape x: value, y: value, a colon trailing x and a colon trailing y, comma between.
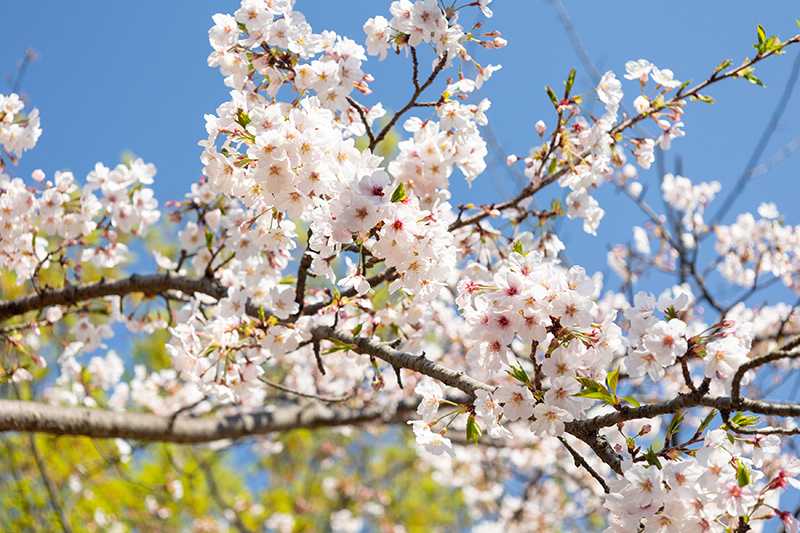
x: 363, y: 115
x: 763, y: 142
x: 213, y: 489
x: 411, y: 102
x: 52, y: 493
x: 326, y: 399
x: 580, y: 461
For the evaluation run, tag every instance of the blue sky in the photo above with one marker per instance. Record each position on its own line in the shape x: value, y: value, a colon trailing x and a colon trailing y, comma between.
x: 116, y: 76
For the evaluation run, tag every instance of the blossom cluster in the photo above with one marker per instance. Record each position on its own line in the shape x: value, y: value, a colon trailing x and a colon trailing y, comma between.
x: 301, y: 161
x: 42, y: 223
x: 657, y: 344
x: 727, y: 478
x: 418, y: 22
x: 751, y: 246
x: 596, y: 167
x: 19, y: 131
x: 426, y: 160
x: 548, y: 312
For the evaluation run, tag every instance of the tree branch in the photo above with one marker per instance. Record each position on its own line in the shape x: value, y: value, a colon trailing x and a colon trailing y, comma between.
x: 28, y: 416
x: 535, y: 186
x: 419, y: 363
x: 147, y: 284
x: 52, y: 492
x: 580, y: 461
x: 788, y: 351
x: 418, y: 90
x: 762, y: 144
x: 216, y: 495
x: 150, y: 284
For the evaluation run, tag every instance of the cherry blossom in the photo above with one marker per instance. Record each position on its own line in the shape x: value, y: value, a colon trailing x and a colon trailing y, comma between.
x: 322, y: 273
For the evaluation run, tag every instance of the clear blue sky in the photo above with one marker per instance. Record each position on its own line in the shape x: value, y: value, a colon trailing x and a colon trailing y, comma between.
x: 116, y: 76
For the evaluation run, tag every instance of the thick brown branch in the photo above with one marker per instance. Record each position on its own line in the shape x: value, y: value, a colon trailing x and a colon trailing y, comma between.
x: 419, y: 363
x: 457, y: 379
x: 147, y: 284
x: 29, y: 416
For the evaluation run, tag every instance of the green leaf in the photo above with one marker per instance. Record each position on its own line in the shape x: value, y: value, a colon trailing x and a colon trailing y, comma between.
x: 399, y: 193
x: 473, y: 430
x: 752, y: 78
x: 742, y: 473
x: 569, y: 83
x: 339, y: 346
x: 591, y: 385
x: 761, y: 34
x: 552, y: 95
x: 596, y: 395
x: 703, y: 98
x: 652, y: 458
x: 335, y: 349
x: 517, y: 247
x: 706, y: 421
x: 594, y: 390
x: 723, y: 65
x: 242, y: 118
x: 518, y: 373
x: 659, y: 101
x: 742, y: 420
x: 674, y: 426
x: 631, y: 400
x: 766, y: 44
x: 774, y: 44
x: 551, y: 169
x: 357, y: 329
x: 555, y: 207
x: 287, y: 280
x: 209, y: 240
x: 611, y: 381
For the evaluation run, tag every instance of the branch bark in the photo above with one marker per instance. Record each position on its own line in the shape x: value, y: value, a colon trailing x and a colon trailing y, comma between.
x: 419, y: 363
x: 150, y: 284
x: 147, y: 284
x: 28, y: 416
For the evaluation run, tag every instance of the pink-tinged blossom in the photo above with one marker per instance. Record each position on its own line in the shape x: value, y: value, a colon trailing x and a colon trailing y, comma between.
x: 517, y: 401
x: 549, y: 420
